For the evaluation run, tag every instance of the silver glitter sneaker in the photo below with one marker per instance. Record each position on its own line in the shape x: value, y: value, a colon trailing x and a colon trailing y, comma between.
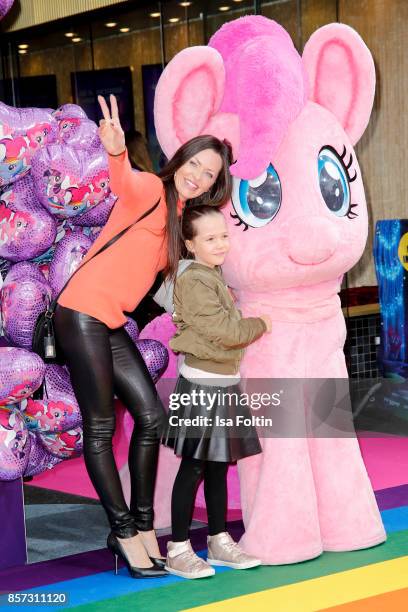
x: 182, y: 561
x: 222, y: 550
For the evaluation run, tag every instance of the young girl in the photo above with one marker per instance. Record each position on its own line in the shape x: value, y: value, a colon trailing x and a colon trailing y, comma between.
x: 212, y: 335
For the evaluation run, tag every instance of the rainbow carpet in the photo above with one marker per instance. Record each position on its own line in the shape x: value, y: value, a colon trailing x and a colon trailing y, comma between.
x: 372, y: 579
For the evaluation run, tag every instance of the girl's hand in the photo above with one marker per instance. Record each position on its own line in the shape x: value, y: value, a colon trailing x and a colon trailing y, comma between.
x: 110, y: 131
x: 268, y: 322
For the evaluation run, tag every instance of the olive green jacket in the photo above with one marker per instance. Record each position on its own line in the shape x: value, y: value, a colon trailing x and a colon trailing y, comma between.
x: 210, y: 329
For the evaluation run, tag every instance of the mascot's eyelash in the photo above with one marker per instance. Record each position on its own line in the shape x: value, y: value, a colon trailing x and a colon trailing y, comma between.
x: 351, y: 214
x: 348, y: 166
x: 240, y: 221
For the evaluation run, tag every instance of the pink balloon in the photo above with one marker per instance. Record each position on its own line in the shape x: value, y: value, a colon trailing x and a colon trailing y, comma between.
x: 67, y: 257
x: 21, y: 373
x: 26, y: 229
x: 39, y: 460
x: 14, y: 444
x: 64, y: 445
x: 23, y: 132
x: 69, y: 182
x: 23, y: 298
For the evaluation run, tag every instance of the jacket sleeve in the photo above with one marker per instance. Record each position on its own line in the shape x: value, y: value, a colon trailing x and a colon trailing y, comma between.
x: 202, y: 310
x: 132, y: 188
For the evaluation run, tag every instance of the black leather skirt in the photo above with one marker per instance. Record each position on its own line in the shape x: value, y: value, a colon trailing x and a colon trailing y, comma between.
x: 210, y: 423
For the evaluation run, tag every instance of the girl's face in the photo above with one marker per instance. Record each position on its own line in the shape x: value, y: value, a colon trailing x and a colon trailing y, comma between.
x: 211, y: 242
x: 198, y: 174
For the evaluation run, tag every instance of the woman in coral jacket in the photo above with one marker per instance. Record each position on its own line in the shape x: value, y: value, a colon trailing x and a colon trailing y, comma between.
x: 90, y: 324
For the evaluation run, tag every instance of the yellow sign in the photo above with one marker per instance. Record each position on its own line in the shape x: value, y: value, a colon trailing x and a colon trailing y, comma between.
x: 403, y: 251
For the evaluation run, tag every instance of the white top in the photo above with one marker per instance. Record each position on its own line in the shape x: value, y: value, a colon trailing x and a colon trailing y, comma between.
x: 208, y: 378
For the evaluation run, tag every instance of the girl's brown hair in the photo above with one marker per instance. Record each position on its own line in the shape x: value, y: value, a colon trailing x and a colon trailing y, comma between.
x: 218, y: 195
x: 191, y: 214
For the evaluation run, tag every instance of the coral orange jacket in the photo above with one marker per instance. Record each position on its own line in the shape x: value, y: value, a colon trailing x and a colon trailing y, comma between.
x: 116, y: 280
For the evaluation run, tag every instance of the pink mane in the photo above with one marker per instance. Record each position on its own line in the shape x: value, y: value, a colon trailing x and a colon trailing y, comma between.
x: 36, y: 130
x: 101, y: 176
x: 79, y: 193
x: 265, y: 85
x: 14, y: 147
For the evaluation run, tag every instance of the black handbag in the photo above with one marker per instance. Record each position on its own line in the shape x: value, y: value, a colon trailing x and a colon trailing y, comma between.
x: 44, y: 342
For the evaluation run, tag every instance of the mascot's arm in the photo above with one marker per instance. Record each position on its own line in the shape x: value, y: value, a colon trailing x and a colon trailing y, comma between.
x: 202, y: 310
x: 137, y: 190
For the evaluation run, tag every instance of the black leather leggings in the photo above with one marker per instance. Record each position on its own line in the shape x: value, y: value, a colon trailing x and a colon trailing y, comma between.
x: 189, y: 475
x: 102, y: 362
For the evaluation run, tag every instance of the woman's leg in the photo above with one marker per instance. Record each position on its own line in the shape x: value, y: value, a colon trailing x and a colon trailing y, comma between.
x: 86, y: 345
x: 215, y: 492
x: 183, y: 496
x: 135, y: 388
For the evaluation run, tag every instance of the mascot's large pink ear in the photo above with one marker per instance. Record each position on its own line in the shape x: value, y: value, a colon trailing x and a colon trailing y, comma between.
x: 341, y: 76
x: 187, y: 98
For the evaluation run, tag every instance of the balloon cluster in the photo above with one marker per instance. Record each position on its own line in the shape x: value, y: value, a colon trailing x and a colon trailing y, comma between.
x: 5, y: 6
x: 54, y: 199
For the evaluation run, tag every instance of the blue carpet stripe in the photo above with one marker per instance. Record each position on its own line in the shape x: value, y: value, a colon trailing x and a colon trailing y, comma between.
x: 106, y: 585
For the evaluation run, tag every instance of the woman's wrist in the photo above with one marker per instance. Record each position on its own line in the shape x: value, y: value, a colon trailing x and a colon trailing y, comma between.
x: 118, y: 154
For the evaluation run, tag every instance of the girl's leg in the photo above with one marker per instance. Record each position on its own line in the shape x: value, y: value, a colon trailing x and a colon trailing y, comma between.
x: 215, y: 491
x: 86, y: 345
x: 181, y: 559
x: 222, y: 550
x: 183, y: 496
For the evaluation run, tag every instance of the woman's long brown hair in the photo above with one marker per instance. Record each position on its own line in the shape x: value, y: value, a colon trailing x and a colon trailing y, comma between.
x: 218, y: 195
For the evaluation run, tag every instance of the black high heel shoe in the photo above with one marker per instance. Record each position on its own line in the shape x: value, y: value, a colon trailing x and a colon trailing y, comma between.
x: 136, y: 572
x: 159, y: 561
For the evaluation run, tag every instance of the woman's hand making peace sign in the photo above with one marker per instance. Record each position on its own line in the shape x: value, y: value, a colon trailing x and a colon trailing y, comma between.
x: 110, y: 131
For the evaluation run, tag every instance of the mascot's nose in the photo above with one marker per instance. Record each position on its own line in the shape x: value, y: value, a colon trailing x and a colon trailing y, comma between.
x: 312, y: 240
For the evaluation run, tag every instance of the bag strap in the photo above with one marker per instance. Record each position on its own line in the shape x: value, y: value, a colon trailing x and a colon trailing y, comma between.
x: 53, y: 305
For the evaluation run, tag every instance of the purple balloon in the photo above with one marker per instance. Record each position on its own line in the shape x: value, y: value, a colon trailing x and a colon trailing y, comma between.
x: 23, y: 132
x: 60, y: 408
x: 67, y: 256
x: 69, y: 182
x: 69, y: 110
x: 14, y: 444
x: 23, y: 298
x: 132, y: 329
x: 52, y: 415
x: 96, y: 216
x: 21, y: 373
x: 58, y: 380
x: 26, y: 269
x: 5, y: 6
x: 78, y: 133
x: 39, y: 460
x: 26, y: 229
x: 64, y: 445
x: 155, y: 356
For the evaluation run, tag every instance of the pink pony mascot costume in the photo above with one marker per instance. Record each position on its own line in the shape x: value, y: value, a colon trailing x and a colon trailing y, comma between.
x: 298, y: 222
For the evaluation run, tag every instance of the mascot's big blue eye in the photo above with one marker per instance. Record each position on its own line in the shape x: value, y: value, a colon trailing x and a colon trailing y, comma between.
x: 257, y: 201
x: 334, y: 182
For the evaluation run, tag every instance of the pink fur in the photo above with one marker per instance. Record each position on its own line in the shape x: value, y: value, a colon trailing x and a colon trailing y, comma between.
x: 264, y: 86
x: 300, y: 496
x: 342, y: 76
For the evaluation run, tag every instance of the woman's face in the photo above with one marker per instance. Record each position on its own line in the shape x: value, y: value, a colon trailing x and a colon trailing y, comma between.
x: 198, y: 174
